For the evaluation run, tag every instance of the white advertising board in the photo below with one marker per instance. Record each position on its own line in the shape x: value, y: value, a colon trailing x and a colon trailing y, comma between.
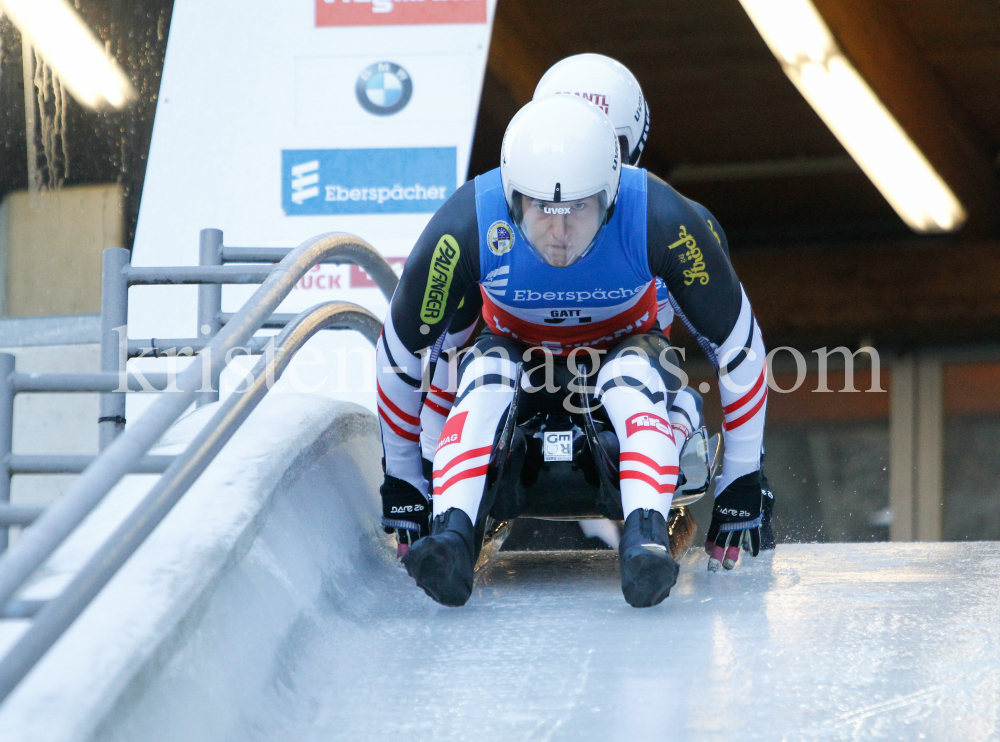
x: 278, y: 121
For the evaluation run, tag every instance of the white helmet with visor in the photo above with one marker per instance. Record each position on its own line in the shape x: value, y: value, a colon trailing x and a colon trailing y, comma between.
x: 609, y: 85
x: 561, y: 167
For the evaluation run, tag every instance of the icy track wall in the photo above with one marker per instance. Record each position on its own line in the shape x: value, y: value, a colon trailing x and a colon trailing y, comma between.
x: 181, y: 644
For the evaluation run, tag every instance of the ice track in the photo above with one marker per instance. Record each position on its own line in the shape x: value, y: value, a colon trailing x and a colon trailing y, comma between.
x: 816, y: 642
x: 826, y: 642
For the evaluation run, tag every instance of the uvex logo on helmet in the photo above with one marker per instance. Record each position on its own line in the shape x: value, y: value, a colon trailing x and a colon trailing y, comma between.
x: 645, y: 421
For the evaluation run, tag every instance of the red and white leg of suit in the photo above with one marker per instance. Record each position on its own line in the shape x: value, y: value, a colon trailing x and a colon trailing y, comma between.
x: 635, y: 397
x: 441, y: 395
x: 463, y: 451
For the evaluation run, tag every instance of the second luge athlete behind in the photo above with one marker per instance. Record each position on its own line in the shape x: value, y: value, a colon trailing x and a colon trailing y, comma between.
x: 566, y: 245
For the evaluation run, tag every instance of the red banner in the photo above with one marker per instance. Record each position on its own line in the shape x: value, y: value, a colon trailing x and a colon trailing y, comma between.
x: 398, y: 12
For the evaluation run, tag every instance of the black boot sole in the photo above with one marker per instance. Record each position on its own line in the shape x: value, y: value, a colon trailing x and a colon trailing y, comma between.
x: 647, y: 577
x: 437, y: 572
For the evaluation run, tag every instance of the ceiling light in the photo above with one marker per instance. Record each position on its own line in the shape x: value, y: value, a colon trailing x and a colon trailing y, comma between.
x: 62, y: 39
x: 798, y: 37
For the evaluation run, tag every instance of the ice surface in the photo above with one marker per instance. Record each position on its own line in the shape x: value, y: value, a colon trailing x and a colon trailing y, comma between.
x: 829, y: 642
x: 268, y: 608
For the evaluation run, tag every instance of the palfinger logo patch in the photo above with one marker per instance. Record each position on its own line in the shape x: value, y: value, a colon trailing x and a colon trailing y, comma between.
x: 500, y: 238
x: 452, y: 432
x: 439, y: 277
x: 645, y: 421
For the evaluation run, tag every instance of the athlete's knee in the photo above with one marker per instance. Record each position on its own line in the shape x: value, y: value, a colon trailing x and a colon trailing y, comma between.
x: 490, y: 347
x: 685, y: 411
x: 634, y: 371
x: 668, y: 366
x: 690, y: 400
x: 487, y: 372
x: 650, y: 344
x: 661, y: 355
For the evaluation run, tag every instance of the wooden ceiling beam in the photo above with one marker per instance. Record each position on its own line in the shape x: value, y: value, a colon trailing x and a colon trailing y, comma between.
x: 916, y: 292
x: 873, y: 38
x: 514, y: 58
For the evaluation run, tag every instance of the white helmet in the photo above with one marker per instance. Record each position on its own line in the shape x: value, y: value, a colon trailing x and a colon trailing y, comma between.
x: 610, y: 86
x: 561, y: 157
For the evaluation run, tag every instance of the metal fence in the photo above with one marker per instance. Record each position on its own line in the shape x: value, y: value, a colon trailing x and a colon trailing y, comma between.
x: 126, y: 450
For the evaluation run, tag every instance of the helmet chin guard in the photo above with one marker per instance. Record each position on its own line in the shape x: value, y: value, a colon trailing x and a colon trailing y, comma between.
x: 560, y: 168
x: 610, y: 86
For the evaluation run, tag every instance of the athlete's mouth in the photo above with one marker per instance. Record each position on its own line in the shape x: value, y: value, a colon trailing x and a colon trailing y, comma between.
x: 559, y: 256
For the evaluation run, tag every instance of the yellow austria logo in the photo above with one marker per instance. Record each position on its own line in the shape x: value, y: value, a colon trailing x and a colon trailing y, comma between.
x: 439, y: 279
x: 500, y: 238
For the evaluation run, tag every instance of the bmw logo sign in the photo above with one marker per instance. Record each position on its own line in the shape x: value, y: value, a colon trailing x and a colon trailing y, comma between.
x: 384, y: 88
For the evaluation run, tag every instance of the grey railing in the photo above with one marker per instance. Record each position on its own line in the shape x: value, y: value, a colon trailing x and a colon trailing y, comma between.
x: 127, y: 450
x: 118, y: 275
x: 66, y: 329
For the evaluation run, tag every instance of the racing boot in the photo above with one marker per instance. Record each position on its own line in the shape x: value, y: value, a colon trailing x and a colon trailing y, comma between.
x: 443, y: 563
x: 648, y: 571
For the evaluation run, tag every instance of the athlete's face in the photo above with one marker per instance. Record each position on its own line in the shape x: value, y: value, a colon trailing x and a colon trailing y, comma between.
x: 561, y: 231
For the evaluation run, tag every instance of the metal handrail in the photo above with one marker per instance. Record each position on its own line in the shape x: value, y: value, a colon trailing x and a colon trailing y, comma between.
x: 52, y: 619
x: 275, y: 321
x: 117, y: 275
x: 100, y: 381
x: 180, y: 347
x: 117, y: 459
x: 188, y: 274
x: 26, y: 463
x: 380, y: 271
x: 20, y: 515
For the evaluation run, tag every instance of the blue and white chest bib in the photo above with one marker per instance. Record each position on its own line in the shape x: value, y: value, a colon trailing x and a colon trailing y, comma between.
x: 594, y: 303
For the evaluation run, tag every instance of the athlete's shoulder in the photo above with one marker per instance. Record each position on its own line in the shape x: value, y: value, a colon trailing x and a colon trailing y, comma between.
x: 464, y: 194
x: 665, y: 205
x: 713, y: 224
x: 457, y: 215
x: 489, y: 181
x: 633, y: 178
x: 631, y: 203
x: 663, y: 193
x: 455, y: 223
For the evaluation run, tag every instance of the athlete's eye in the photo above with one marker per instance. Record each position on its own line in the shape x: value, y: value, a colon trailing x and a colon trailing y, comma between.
x: 580, y: 205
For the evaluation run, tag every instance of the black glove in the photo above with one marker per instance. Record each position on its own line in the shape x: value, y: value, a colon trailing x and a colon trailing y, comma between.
x: 736, y: 519
x: 404, y: 511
